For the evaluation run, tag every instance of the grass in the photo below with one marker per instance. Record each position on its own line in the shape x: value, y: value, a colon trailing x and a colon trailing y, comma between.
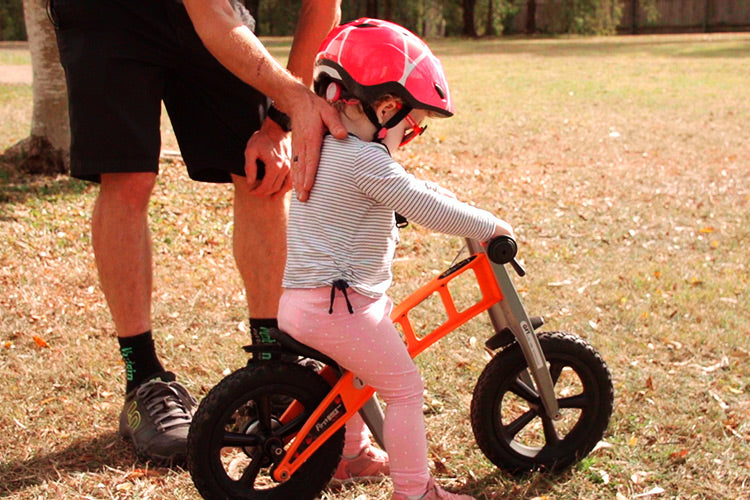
x: 623, y: 164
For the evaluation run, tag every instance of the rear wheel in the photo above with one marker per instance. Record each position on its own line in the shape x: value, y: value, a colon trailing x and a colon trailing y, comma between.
x: 239, y: 431
x: 509, y: 421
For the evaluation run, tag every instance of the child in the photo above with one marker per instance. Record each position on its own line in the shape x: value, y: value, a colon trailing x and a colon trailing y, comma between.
x: 385, y: 81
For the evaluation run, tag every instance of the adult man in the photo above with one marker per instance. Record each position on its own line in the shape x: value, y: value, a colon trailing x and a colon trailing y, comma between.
x: 122, y: 58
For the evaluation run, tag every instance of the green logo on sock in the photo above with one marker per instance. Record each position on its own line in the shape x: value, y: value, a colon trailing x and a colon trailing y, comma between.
x: 129, y: 365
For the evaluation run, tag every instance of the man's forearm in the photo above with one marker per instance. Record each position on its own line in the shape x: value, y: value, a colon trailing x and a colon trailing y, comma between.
x: 316, y: 19
x: 237, y: 48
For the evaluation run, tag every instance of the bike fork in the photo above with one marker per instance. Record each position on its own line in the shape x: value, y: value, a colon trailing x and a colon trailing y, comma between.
x: 511, y: 314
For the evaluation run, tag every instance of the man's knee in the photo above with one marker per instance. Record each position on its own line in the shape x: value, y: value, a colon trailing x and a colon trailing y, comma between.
x: 130, y: 191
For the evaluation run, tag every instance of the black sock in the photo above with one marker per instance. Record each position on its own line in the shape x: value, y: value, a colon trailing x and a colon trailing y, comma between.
x: 259, y: 334
x: 141, y: 362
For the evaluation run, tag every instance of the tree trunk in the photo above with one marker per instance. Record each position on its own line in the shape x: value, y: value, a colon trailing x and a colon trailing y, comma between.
x: 433, y: 22
x: 469, y: 28
x: 388, y: 10
x: 47, y: 149
x: 253, y: 6
x: 489, y: 28
x: 372, y: 9
x: 530, y: 17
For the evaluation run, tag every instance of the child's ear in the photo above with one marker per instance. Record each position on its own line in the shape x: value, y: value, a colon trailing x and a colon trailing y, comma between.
x: 387, y: 107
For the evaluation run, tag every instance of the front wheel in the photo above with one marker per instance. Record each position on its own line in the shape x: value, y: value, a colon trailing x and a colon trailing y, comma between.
x: 509, y: 421
x: 245, y: 424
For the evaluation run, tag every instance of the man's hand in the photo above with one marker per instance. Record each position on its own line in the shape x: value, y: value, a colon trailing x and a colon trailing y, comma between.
x: 271, y: 145
x: 311, y: 117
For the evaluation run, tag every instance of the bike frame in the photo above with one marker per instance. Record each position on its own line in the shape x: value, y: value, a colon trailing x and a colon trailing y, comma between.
x: 349, y: 394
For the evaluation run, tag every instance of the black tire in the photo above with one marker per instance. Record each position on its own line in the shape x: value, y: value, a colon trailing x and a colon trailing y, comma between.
x: 237, y: 422
x: 510, y: 423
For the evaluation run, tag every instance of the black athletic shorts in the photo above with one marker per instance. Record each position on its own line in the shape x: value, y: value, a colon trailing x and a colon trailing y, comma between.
x: 122, y: 58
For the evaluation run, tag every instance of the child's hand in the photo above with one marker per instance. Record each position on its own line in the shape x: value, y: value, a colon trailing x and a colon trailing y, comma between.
x: 502, y: 228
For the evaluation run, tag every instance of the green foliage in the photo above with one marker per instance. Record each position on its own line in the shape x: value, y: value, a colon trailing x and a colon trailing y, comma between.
x: 503, y: 13
x: 12, y: 26
x: 586, y: 17
x: 278, y: 17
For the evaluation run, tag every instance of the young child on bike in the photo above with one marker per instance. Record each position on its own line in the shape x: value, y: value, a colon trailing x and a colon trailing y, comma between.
x: 385, y: 82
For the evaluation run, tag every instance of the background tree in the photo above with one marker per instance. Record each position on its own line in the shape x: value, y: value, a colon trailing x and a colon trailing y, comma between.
x: 47, y: 149
x: 489, y: 24
x: 469, y: 29
x: 530, y: 17
x: 11, y: 20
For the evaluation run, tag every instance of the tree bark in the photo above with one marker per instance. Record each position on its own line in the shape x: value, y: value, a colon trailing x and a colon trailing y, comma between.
x: 388, y: 10
x: 372, y: 9
x: 47, y: 150
x: 433, y: 24
x: 489, y: 28
x: 530, y: 17
x: 469, y: 28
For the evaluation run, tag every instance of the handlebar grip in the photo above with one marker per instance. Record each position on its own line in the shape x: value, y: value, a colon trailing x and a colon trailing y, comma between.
x: 502, y: 249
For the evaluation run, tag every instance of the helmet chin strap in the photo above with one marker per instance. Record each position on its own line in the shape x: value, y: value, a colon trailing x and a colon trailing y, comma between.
x: 392, y: 122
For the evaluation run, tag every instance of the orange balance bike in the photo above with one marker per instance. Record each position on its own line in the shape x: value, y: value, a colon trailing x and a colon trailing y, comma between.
x: 274, y: 430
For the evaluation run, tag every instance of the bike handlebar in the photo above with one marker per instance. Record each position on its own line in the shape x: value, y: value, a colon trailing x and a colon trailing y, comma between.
x: 503, y: 250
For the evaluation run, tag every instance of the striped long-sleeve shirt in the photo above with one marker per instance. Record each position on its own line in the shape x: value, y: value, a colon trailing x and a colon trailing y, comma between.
x: 346, y: 229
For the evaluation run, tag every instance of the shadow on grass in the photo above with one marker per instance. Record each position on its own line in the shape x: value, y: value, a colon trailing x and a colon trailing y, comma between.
x: 16, y: 188
x: 501, y: 485
x: 100, y: 453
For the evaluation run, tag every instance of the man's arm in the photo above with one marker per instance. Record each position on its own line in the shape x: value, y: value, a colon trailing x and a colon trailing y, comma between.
x: 239, y: 50
x: 317, y: 18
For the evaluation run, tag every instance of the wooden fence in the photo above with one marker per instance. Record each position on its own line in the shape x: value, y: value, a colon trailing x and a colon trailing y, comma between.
x: 674, y: 16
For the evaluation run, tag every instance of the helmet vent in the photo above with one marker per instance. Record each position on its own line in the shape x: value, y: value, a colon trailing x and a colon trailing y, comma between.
x: 440, y: 91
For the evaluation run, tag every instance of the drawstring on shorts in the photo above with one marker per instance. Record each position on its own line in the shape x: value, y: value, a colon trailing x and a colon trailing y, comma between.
x: 340, y: 285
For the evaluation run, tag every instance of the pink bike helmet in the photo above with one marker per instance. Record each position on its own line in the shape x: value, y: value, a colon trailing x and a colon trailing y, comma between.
x: 369, y: 58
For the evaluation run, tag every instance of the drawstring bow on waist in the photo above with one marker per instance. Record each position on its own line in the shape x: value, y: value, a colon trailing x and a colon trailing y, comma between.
x: 340, y: 285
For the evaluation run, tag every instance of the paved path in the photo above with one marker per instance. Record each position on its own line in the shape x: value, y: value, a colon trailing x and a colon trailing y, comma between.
x: 15, y: 74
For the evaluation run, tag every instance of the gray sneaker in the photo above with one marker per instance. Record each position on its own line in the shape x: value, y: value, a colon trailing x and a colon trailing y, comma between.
x: 156, y: 418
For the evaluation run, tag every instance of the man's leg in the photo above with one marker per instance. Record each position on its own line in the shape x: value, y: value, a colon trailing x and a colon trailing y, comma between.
x: 260, y: 248
x: 122, y: 247
x: 157, y: 411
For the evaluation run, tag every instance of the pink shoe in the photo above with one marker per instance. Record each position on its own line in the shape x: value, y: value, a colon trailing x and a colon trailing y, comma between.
x: 371, y: 463
x: 435, y: 492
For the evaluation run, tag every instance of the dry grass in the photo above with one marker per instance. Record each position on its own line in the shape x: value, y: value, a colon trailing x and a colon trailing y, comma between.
x: 624, y: 165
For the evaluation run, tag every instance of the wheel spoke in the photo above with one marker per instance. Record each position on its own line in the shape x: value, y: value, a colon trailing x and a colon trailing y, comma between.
x: 555, y: 370
x: 238, y: 440
x: 579, y: 401
x: 263, y: 404
x: 249, y: 475
x: 518, y: 424
x: 292, y: 426
x: 524, y: 390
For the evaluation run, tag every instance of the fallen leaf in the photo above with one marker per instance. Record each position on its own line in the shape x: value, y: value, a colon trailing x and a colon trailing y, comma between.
x: 39, y: 341
x: 678, y: 456
x: 440, y: 466
x: 656, y: 490
x: 556, y: 284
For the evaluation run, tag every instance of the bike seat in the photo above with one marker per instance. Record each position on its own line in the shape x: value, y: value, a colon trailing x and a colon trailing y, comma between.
x: 292, y: 345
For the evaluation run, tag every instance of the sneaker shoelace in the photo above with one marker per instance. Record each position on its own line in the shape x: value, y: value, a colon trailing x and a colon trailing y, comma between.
x: 166, y: 403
